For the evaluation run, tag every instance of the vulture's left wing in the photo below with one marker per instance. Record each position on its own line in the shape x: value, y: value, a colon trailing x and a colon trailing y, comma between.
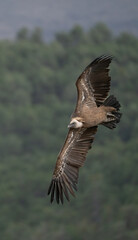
x: 93, y: 84
x: 70, y: 159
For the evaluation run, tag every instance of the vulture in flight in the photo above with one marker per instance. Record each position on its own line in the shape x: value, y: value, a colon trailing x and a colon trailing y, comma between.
x: 93, y: 107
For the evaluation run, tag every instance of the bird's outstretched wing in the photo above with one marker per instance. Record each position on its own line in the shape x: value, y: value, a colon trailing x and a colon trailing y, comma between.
x: 93, y: 84
x: 70, y: 159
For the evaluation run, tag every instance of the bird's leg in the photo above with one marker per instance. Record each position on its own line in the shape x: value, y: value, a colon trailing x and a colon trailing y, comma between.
x: 109, y: 114
x: 110, y: 117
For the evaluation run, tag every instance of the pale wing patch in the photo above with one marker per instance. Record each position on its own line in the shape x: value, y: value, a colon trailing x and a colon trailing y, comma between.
x: 83, y: 97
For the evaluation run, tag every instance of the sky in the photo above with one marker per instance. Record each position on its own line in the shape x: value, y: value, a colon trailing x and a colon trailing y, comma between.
x: 61, y: 15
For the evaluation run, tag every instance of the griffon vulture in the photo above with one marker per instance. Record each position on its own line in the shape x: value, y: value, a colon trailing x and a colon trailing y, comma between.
x: 93, y: 107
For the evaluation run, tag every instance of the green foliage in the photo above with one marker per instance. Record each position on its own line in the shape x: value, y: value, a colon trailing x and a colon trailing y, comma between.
x: 35, y: 36
x: 37, y: 97
x: 23, y: 34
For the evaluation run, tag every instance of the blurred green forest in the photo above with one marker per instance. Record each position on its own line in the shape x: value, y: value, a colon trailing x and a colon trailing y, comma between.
x: 37, y: 97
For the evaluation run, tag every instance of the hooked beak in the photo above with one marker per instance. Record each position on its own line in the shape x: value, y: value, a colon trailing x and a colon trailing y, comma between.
x: 71, y: 125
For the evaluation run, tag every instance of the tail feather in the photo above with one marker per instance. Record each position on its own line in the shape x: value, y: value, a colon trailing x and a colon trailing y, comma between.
x: 112, y: 101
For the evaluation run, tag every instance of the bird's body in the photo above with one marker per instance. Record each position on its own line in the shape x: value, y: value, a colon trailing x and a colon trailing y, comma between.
x: 92, y: 109
x: 91, y: 117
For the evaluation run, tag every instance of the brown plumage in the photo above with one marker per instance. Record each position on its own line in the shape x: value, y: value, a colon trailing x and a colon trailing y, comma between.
x: 92, y: 108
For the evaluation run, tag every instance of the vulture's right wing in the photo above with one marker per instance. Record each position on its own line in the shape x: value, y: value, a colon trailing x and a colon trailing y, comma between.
x: 70, y: 159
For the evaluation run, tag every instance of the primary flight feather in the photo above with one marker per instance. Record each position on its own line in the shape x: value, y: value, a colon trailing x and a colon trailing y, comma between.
x: 93, y: 107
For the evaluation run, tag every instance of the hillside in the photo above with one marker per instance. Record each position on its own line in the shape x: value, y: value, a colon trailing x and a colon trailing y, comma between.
x: 37, y: 97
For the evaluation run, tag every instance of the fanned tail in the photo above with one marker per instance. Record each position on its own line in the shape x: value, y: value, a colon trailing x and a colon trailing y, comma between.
x: 113, y: 102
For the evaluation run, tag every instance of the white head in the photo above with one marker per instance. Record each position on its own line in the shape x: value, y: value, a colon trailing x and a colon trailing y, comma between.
x: 75, y: 123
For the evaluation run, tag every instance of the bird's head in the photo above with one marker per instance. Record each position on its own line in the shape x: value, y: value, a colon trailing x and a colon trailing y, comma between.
x: 75, y: 123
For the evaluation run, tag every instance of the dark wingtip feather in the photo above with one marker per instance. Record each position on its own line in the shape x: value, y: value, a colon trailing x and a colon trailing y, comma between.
x: 49, y: 189
x: 52, y: 191
x: 57, y: 192
x: 65, y: 190
x: 58, y: 187
x: 104, y: 60
x: 60, y: 191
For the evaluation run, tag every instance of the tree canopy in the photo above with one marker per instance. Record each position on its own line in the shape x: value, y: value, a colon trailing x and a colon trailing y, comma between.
x: 37, y: 97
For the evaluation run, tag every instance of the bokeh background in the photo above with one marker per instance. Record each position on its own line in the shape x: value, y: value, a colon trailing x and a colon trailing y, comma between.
x: 44, y: 46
